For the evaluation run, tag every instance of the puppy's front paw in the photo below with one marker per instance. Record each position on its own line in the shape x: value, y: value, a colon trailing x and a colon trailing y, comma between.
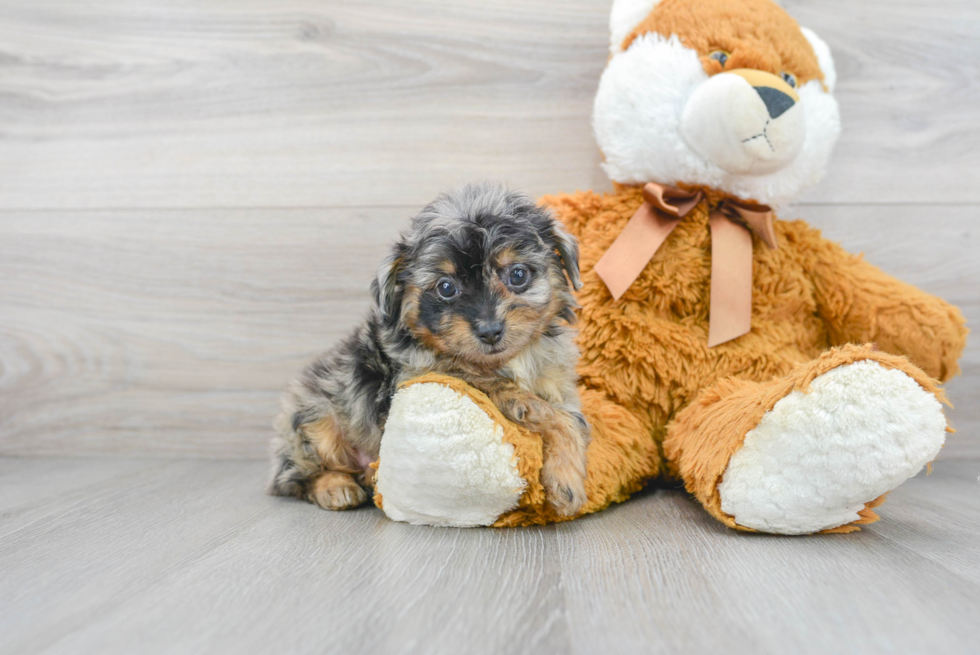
x: 564, y: 484
x: 337, y: 491
x: 525, y: 409
x: 516, y: 409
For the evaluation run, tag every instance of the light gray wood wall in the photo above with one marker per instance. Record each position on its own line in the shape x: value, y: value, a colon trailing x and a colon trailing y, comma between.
x: 193, y: 197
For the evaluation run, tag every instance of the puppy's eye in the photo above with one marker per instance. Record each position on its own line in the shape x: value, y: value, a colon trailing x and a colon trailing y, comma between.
x: 518, y: 277
x: 720, y: 56
x: 446, y: 289
x: 789, y: 78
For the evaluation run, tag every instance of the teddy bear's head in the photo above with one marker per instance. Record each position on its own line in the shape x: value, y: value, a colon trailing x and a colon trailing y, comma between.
x: 728, y: 94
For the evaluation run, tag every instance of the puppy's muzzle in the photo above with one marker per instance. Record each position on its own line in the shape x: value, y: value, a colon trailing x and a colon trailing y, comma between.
x: 489, y: 332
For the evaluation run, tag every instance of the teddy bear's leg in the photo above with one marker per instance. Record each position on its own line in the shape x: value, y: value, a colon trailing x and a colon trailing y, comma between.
x: 449, y: 457
x: 813, y: 451
x: 445, y: 459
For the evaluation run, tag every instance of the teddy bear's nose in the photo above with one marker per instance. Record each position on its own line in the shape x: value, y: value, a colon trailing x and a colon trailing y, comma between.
x: 778, y: 96
x: 776, y: 101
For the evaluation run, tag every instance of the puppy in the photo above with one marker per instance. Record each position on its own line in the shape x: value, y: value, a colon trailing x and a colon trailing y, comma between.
x: 475, y: 289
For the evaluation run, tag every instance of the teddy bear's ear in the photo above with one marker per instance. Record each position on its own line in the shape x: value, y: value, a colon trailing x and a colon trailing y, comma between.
x: 824, y: 58
x: 627, y: 14
x: 623, y: 17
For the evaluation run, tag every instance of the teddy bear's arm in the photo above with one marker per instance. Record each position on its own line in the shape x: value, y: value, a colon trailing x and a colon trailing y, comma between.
x: 861, y: 304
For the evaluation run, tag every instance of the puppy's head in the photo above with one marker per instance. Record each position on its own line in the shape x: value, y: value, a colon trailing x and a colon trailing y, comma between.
x: 480, y: 275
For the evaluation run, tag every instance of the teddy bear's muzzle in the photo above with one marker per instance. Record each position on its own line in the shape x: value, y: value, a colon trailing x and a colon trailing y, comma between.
x: 745, y: 121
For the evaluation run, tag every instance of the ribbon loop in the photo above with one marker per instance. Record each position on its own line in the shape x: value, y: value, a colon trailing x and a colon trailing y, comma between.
x: 643, y: 235
x: 757, y: 218
x: 732, y: 223
x: 674, y: 201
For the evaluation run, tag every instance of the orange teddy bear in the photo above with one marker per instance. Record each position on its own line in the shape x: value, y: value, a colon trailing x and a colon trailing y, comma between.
x: 789, y: 384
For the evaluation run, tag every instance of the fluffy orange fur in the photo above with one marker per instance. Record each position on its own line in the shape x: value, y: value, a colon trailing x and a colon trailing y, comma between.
x: 663, y: 404
x: 649, y: 351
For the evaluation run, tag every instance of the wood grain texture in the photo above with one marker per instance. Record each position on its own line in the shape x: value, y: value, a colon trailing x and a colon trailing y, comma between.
x: 172, y: 332
x: 384, y: 102
x: 296, y: 103
x: 189, y: 557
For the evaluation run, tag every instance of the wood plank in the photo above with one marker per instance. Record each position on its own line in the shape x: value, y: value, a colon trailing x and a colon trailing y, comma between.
x: 31, y: 493
x: 96, y: 547
x: 175, y: 337
x: 171, y: 332
x: 295, y: 103
x: 908, y: 82
x: 384, y: 102
x: 194, y: 559
x: 659, y: 575
x: 936, y: 516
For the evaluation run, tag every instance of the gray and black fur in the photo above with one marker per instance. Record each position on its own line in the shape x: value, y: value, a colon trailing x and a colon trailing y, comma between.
x: 477, y: 289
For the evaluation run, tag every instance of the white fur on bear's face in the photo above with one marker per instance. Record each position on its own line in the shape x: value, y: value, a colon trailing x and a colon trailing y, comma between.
x: 726, y: 122
x: 637, y: 118
x: 824, y: 59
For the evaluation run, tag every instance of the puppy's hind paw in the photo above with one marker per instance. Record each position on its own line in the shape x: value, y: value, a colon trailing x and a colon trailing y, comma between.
x: 564, y: 487
x: 337, y: 491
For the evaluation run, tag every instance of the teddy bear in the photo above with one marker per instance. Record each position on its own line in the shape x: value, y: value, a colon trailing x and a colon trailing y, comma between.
x: 786, y: 383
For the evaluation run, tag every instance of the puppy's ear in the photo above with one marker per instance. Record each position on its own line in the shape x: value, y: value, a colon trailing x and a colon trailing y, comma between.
x: 567, y: 247
x: 385, y: 285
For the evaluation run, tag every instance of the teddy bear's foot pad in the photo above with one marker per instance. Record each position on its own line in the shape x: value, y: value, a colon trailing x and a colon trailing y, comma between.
x: 817, y: 458
x: 444, y: 461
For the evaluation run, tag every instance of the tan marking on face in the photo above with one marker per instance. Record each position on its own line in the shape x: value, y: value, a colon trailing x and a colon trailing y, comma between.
x: 447, y: 267
x: 530, y: 321
x: 526, y: 322
x: 505, y: 258
x: 449, y: 336
x: 458, y: 335
x: 410, y: 316
x: 757, y: 34
x: 431, y: 340
x: 410, y: 306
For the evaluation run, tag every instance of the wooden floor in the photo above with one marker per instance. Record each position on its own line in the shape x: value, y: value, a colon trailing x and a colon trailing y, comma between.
x: 150, y: 556
x: 193, y: 199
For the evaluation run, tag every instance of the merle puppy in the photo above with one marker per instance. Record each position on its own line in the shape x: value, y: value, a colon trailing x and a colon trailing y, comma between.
x: 475, y: 289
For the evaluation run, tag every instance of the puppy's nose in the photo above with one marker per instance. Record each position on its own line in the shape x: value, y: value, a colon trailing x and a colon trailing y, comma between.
x: 490, y: 333
x: 776, y: 101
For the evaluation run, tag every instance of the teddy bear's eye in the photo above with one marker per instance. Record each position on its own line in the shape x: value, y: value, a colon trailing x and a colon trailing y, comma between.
x: 789, y: 78
x: 720, y: 56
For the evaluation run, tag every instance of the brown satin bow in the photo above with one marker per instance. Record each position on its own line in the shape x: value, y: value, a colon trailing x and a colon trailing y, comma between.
x: 731, y: 222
